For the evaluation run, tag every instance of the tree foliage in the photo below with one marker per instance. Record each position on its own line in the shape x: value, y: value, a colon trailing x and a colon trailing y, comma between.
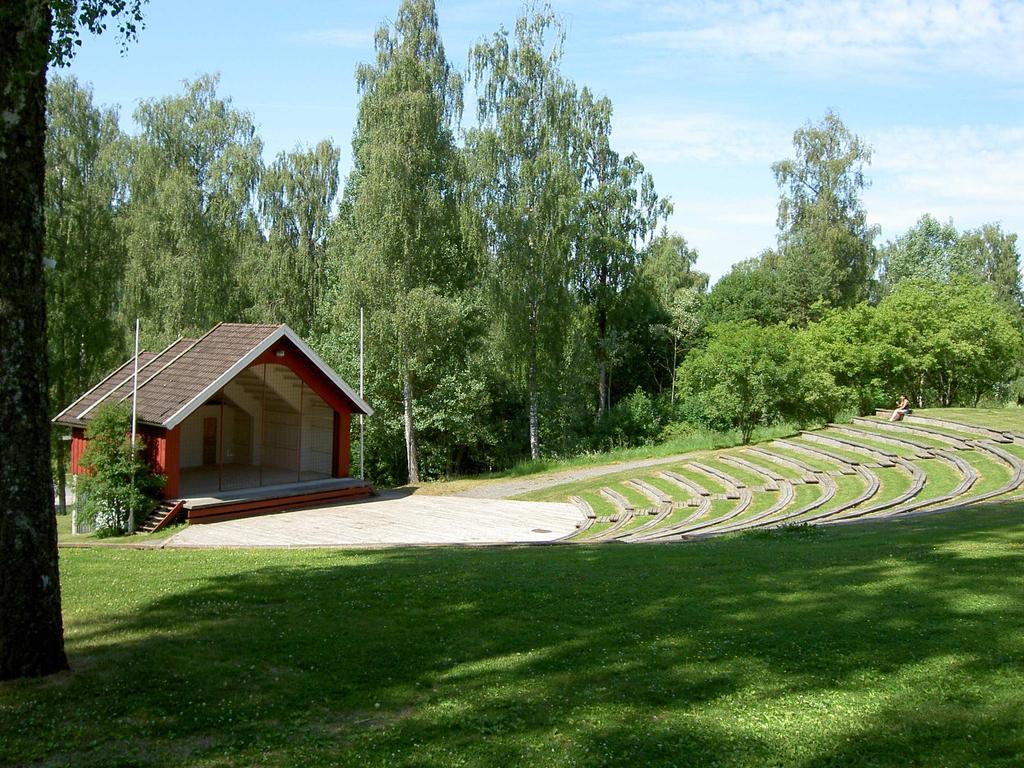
x: 118, y: 489
x: 84, y: 192
x: 618, y: 209
x: 826, y: 247
x: 931, y: 250
x: 296, y: 199
x: 194, y: 171
x: 527, y: 190
x: 406, y: 266
x: 741, y: 378
x: 518, y: 298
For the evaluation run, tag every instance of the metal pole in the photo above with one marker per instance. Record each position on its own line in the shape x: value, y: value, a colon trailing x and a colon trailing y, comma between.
x: 135, y: 398
x: 298, y: 448
x: 362, y: 453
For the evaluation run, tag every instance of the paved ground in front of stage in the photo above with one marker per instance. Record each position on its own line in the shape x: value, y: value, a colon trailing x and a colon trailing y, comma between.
x: 389, y: 520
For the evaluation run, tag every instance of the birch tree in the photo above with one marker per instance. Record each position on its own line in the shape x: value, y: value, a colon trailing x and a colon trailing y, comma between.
x: 195, y: 169
x: 84, y: 190
x: 296, y: 197
x: 527, y: 187
x: 404, y: 212
x: 619, y: 209
x: 826, y: 248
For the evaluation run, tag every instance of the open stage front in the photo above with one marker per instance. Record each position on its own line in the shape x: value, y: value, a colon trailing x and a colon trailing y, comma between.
x: 245, y: 502
x: 265, y: 427
x: 235, y: 479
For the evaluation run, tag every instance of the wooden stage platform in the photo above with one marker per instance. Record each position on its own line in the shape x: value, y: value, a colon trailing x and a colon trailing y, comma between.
x: 247, y: 502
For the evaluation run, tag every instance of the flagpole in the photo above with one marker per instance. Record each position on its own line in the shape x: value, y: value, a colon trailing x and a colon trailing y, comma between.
x: 362, y: 475
x: 135, y: 396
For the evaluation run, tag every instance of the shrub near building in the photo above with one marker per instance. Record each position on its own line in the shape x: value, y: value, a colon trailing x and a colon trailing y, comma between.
x: 118, y: 478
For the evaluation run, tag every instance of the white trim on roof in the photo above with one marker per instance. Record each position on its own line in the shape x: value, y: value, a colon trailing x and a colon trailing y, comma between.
x: 282, y: 331
x: 152, y: 360
x: 361, y: 405
x: 105, y: 379
x: 98, y: 384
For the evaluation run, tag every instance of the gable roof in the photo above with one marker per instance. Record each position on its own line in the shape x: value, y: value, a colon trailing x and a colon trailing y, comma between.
x: 173, y: 383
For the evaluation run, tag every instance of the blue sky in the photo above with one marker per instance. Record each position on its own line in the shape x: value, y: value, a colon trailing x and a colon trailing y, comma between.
x: 707, y: 94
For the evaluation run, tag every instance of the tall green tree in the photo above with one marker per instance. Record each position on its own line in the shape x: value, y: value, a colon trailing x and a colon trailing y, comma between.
x: 195, y: 169
x: 405, y: 219
x: 84, y: 190
x: 669, y: 264
x: 618, y: 210
x: 750, y: 290
x: 995, y: 258
x: 936, y: 251
x: 528, y: 188
x: 945, y: 343
x: 741, y: 378
x: 32, y: 34
x: 926, y: 251
x: 682, y: 329
x: 296, y: 199
x: 826, y: 248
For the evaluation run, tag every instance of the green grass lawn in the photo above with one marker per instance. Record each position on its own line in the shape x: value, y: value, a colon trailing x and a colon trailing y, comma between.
x: 615, y: 480
x: 883, y: 644
x: 699, y: 441
x: 804, y: 495
x: 673, y: 491
x: 601, y: 506
x: 942, y: 478
x: 821, y: 464
x: 867, y: 440
x: 992, y: 473
x: 848, y: 487
x: 895, y: 481
x: 770, y: 466
x: 849, y: 454
x: 919, y: 438
x: 745, y: 476
x: 992, y: 418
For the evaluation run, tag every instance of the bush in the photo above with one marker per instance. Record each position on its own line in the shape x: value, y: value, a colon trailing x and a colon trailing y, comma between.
x: 116, y: 480
x: 632, y: 421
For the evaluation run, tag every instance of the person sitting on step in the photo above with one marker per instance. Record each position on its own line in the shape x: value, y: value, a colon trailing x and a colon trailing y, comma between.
x: 902, y: 409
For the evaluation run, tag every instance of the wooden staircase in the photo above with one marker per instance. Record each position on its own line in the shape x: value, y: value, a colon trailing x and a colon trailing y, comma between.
x: 165, y: 514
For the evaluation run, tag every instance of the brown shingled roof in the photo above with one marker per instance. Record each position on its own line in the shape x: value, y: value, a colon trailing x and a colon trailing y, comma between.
x: 71, y: 415
x: 175, y: 378
x: 177, y: 383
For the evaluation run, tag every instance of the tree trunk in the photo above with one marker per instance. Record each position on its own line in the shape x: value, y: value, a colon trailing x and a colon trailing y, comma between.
x: 531, y: 384
x: 602, y: 364
x: 410, y: 431
x: 31, y: 630
x: 675, y: 349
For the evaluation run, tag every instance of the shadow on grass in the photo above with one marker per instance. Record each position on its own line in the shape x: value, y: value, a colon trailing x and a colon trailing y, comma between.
x: 889, y: 644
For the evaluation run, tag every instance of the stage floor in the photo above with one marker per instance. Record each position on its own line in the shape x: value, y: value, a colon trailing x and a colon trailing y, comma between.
x: 236, y: 478
x: 272, y: 491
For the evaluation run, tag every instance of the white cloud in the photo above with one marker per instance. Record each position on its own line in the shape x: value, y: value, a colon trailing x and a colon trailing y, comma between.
x: 824, y: 37
x: 707, y: 137
x: 973, y: 174
x: 335, y: 38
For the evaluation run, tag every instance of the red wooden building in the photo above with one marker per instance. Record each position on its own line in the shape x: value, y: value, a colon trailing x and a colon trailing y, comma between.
x: 246, y: 419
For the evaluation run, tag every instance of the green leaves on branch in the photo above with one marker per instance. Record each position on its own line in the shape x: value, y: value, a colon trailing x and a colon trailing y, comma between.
x: 118, y: 479
x: 748, y: 376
